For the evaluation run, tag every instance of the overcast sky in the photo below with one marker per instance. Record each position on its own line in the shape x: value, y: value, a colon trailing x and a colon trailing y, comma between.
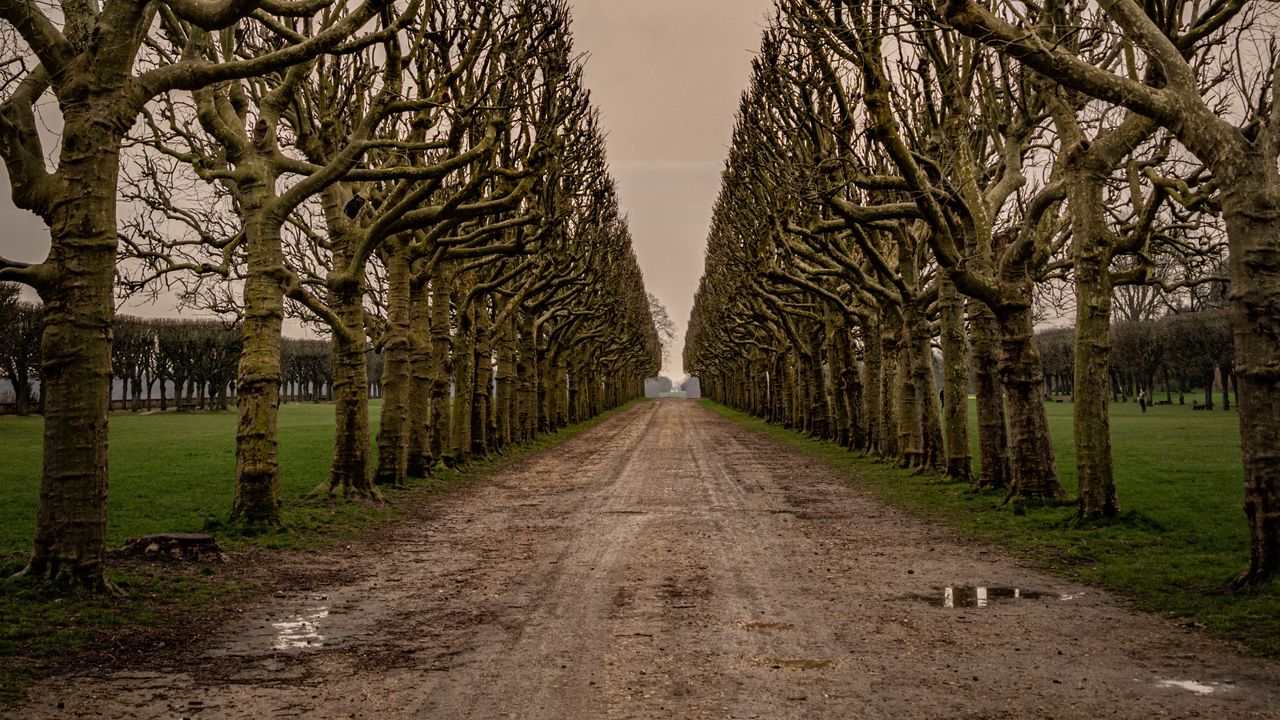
x: 667, y: 75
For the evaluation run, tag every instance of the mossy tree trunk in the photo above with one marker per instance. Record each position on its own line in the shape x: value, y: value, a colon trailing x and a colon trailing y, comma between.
x: 481, y: 408
x: 441, y: 365
x: 873, y: 366
x: 349, y: 475
x: 995, y: 470
x: 1035, y: 471
x: 418, y: 452
x: 504, y: 343
x: 526, y: 378
x: 836, y: 361
x: 927, y: 415
x: 890, y: 389
x: 397, y: 353
x: 464, y: 362
x: 1251, y: 208
x: 955, y: 381
x: 75, y: 365
x: 258, y: 376
x: 1092, y: 429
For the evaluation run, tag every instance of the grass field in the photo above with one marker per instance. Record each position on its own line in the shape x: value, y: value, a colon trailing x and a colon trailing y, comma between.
x: 1181, y: 539
x: 169, y: 472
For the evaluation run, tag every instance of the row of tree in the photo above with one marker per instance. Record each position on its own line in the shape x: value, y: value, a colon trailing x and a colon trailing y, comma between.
x: 910, y: 176
x: 195, y: 360
x: 427, y: 176
x: 1175, y: 353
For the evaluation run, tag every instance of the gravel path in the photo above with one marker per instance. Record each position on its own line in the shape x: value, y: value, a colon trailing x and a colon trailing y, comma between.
x: 668, y: 564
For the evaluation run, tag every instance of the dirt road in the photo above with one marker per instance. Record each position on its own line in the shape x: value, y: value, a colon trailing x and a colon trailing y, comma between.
x: 670, y: 564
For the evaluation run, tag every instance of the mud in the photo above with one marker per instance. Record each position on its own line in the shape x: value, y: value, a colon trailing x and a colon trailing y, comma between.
x: 670, y: 564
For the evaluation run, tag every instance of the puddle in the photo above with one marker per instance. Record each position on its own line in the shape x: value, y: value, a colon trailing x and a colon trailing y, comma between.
x: 300, y: 631
x: 797, y: 663
x: 1192, y: 686
x: 767, y: 626
x: 956, y: 596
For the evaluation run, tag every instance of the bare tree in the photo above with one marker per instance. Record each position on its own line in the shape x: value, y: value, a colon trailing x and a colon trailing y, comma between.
x: 1240, y: 149
x: 20, y: 328
x: 97, y: 60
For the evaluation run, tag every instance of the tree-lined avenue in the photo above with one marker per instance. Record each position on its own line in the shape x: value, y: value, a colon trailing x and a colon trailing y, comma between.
x: 669, y: 563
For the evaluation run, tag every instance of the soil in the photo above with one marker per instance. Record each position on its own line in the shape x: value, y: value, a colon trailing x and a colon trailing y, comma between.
x: 669, y: 564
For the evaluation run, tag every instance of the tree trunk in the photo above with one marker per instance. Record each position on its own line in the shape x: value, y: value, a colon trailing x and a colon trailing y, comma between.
x: 1091, y: 256
x: 21, y: 392
x: 836, y: 361
x: 136, y: 393
x: 526, y: 379
x: 441, y: 367
x: 480, y: 397
x: 561, y: 392
x: 995, y: 470
x: 853, y: 390
x: 920, y: 353
x: 418, y: 452
x: 75, y: 346
x: 820, y: 423
x: 257, y: 496
x: 1035, y: 472
x: 1251, y: 208
x: 873, y: 366
x: 1225, y: 373
x: 955, y: 382
x: 396, y: 373
x: 464, y: 360
x: 349, y: 474
x: 504, y: 343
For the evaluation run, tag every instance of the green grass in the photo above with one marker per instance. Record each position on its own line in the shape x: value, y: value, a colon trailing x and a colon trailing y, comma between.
x: 170, y: 472
x: 1181, y: 539
x: 175, y: 473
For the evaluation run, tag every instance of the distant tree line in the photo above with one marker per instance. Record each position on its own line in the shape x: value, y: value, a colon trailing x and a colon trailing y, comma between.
x: 1174, y: 354
x: 158, y: 364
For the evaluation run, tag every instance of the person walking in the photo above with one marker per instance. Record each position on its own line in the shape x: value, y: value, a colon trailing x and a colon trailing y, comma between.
x: 1142, y: 399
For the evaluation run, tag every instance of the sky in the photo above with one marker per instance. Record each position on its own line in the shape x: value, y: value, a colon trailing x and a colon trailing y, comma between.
x: 667, y: 76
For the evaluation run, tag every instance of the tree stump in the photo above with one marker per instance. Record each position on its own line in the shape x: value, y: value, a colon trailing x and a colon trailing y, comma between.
x: 196, y: 547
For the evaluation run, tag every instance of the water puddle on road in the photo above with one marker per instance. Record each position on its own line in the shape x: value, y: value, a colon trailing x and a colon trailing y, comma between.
x: 300, y: 631
x: 971, y: 596
x: 1192, y: 686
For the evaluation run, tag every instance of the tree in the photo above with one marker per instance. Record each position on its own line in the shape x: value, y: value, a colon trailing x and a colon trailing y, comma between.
x: 92, y: 61
x: 665, y: 325
x: 955, y: 189
x: 20, y: 327
x: 1240, y: 149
